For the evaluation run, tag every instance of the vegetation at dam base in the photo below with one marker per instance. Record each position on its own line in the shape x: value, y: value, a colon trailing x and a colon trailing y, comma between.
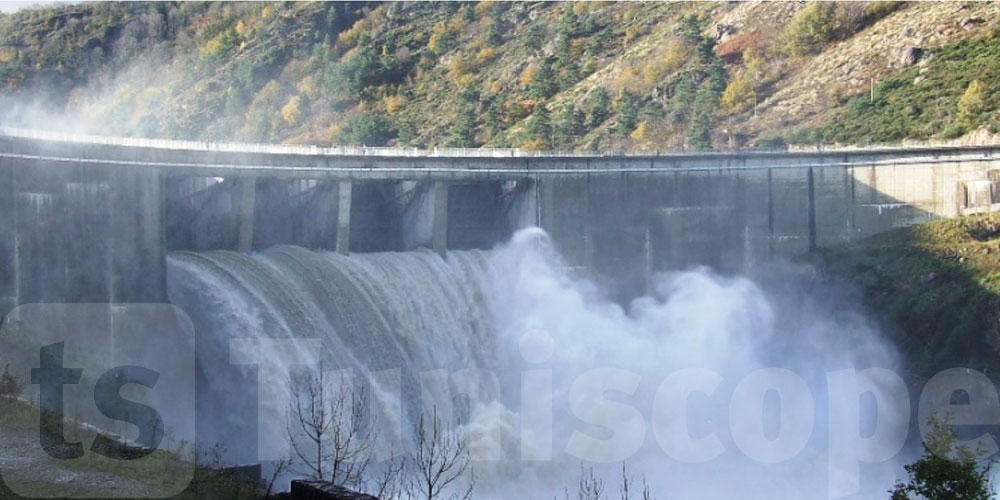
x: 583, y: 76
x: 935, y: 287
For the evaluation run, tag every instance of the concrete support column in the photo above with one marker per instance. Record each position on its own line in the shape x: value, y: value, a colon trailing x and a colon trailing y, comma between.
x: 439, y: 200
x: 343, y: 245
x: 247, y: 194
x: 812, y: 211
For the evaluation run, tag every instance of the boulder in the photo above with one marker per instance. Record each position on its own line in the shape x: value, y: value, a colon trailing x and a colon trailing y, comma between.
x: 322, y: 490
x: 910, y: 56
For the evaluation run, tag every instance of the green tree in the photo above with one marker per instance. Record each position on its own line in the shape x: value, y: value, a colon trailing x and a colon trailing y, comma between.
x: 690, y: 29
x: 703, y: 111
x: 568, y: 123
x: 493, y: 120
x: 598, y: 102
x: 946, y: 471
x: 543, y: 83
x: 534, y: 35
x: 494, y: 34
x: 463, y: 133
x: 366, y: 129
x: 468, y: 12
x: 705, y: 50
x: 539, y: 128
x: 684, y: 94
x: 627, y: 110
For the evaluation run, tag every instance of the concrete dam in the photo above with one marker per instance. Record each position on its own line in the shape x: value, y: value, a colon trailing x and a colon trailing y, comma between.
x: 413, y: 269
x: 90, y: 219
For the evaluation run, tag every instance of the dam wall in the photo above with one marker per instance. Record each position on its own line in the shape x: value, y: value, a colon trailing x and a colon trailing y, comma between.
x: 92, y: 219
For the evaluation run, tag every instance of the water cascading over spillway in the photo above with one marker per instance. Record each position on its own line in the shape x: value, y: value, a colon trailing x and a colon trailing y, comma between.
x: 411, y: 312
x: 412, y: 321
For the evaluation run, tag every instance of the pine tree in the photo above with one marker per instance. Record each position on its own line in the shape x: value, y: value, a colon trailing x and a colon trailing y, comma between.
x: 534, y: 36
x: 493, y: 119
x: 463, y: 133
x: 628, y: 112
x: 690, y: 29
x: 543, y: 83
x: 494, y: 34
x: 703, y: 111
x: 567, y: 125
x: 683, y: 98
x: 598, y: 103
x: 539, y: 128
x: 717, y: 77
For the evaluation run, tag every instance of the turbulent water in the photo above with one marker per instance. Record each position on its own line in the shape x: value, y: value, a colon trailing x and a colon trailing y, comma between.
x: 540, y: 371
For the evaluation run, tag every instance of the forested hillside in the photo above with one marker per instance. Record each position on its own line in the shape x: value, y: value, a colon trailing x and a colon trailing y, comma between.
x: 584, y: 75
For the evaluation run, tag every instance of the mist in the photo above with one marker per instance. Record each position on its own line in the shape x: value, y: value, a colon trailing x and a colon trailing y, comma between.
x: 544, y: 376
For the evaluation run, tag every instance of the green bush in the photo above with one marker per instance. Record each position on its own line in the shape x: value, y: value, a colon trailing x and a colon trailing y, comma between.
x: 810, y: 29
x: 947, y: 471
x: 366, y: 129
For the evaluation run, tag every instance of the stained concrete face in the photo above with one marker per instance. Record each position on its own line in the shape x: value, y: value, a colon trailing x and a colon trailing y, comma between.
x: 88, y: 233
x: 98, y: 228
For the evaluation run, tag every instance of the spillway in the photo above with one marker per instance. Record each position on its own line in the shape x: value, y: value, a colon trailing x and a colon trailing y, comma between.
x: 514, y: 333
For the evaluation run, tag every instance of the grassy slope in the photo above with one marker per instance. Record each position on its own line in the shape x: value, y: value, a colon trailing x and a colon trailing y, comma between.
x: 937, y: 287
x: 407, y: 73
x: 157, y: 473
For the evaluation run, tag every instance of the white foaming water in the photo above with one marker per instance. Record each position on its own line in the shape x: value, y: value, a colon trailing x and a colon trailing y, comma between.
x: 554, y: 375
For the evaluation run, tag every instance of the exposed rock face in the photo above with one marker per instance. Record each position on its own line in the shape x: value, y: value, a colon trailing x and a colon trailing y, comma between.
x: 910, y: 56
x: 321, y: 490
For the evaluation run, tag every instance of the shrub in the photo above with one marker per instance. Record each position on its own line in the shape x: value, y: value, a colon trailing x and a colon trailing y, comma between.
x: 631, y: 33
x: 877, y: 10
x: 641, y: 132
x: 486, y: 54
x: 527, y: 75
x: 291, y: 112
x: 394, y: 103
x: 10, y: 387
x: 809, y: 30
x: 366, y: 129
x: 667, y: 60
x: 738, y: 94
x: 460, y: 67
x: 440, y: 40
x: 534, y: 35
x: 972, y: 105
x: 945, y: 471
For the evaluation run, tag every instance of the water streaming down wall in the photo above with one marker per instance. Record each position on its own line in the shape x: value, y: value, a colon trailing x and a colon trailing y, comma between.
x: 506, y: 311
x: 411, y: 312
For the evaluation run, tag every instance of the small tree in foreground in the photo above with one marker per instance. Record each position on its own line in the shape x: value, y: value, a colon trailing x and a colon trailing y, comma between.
x: 327, y: 431
x: 440, y: 463
x: 947, y: 471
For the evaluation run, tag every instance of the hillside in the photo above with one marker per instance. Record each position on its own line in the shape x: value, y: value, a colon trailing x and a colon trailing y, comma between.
x: 937, y: 288
x: 585, y: 75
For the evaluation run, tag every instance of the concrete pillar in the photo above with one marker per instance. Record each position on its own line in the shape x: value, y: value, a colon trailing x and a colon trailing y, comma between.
x: 343, y: 245
x: 138, y: 256
x: 522, y: 205
x: 247, y: 194
x: 812, y: 210
x: 439, y: 235
x: 770, y: 214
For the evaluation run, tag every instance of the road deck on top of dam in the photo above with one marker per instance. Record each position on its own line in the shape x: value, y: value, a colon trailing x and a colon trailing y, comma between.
x: 380, y: 163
